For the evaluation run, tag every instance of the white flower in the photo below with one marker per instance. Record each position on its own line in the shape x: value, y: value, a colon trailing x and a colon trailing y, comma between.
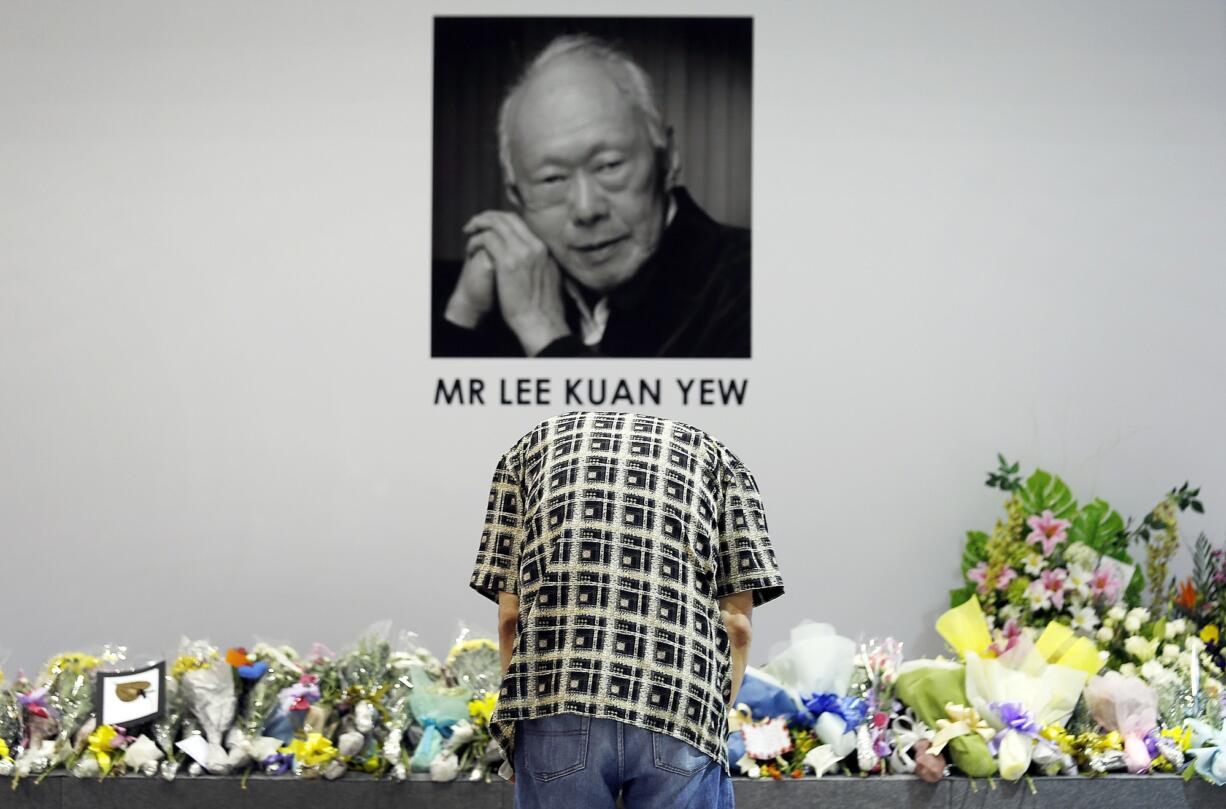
x: 1170, y: 652
x: 1194, y: 644
x: 1082, y: 555
x: 1176, y: 628
x: 1085, y: 619
x: 1034, y: 563
x: 1104, y: 656
x: 1128, y: 670
x: 1078, y: 581
x: 1132, y: 623
x: 1116, y: 614
x: 1140, y: 613
x: 1038, y: 597
x: 1140, y: 648
x: 1010, y: 612
x: 1105, y: 634
x: 1156, y: 674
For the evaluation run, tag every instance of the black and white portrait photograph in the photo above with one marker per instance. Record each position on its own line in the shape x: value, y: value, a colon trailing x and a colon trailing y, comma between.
x: 592, y: 187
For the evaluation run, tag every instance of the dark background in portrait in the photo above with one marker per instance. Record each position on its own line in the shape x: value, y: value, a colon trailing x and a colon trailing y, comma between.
x: 701, y: 69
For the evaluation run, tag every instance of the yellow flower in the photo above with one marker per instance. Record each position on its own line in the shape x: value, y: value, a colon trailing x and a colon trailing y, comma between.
x: 316, y: 749
x: 186, y: 663
x: 481, y: 709
x: 1210, y: 634
x: 1058, y: 736
x: 100, y: 746
x: 4, y: 751
x: 1182, y: 736
x: 472, y: 645
x: 72, y: 663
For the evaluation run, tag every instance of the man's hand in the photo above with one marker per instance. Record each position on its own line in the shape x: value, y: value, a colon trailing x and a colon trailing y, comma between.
x: 508, y: 626
x: 473, y: 296
x: 737, y: 612
x: 528, y: 280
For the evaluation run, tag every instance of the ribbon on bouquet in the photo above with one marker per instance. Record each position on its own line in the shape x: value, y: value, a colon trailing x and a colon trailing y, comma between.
x: 907, y: 731
x: 961, y: 721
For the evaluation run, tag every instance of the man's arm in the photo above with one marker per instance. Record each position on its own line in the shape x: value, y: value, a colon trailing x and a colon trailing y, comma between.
x: 736, y: 611
x: 508, y: 623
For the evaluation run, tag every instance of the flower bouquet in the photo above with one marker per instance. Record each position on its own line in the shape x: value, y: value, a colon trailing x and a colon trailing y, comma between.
x: 54, y: 711
x: 100, y: 750
x: 207, y: 685
x: 313, y: 757
x: 776, y: 748
x: 411, y: 667
x: 165, y: 732
x: 877, y: 665
x: 11, y: 728
x: 1129, y: 707
x: 263, y: 673
x: 364, y: 676
x: 470, y: 747
x: 438, y: 708
x: 1022, y: 689
x: 1053, y: 559
x: 1171, y: 657
x: 818, y: 665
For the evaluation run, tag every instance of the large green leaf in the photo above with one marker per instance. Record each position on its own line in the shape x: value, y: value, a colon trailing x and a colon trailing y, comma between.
x: 976, y: 550
x: 1100, y: 528
x: 1043, y: 492
x: 961, y: 595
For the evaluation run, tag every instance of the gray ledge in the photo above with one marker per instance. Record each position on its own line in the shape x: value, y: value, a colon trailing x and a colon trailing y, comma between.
x: 61, y: 791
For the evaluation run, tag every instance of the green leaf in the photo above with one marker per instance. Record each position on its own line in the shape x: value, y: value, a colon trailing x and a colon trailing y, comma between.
x: 976, y: 550
x: 1100, y: 528
x: 1132, y: 595
x: 1042, y: 492
x: 961, y: 595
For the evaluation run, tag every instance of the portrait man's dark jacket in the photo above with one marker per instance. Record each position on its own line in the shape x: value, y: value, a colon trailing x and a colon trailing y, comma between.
x: 689, y: 299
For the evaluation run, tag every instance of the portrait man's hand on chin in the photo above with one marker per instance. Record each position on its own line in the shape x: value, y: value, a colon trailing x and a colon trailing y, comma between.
x: 600, y: 252
x: 508, y: 262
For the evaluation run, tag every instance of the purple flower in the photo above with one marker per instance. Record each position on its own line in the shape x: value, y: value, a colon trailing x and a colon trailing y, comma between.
x: 278, y: 763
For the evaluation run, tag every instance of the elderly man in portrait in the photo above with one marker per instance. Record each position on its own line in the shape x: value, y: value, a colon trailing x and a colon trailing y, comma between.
x: 602, y: 253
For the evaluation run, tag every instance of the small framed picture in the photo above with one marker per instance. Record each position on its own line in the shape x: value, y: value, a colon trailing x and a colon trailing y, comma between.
x: 131, y: 697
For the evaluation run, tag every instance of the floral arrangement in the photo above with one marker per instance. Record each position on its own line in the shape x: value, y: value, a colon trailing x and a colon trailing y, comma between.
x: 1068, y: 657
x: 267, y: 710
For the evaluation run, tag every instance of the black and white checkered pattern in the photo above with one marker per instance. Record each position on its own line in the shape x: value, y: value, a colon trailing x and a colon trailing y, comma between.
x: 620, y: 532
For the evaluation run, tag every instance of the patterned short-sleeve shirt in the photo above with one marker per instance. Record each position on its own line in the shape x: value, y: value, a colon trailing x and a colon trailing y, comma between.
x: 620, y: 533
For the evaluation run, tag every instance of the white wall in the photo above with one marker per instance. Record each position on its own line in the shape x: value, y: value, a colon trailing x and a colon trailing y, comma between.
x: 978, y: 227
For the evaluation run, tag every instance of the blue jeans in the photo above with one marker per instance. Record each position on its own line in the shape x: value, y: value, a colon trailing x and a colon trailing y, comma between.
x: 567, y: 761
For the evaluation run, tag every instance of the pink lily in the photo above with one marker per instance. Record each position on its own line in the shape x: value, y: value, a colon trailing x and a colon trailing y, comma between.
x: 1104, y: 585
x: 1054, y: 583
x: 979, y: 575
x: 1047, y: 530
x: 1006, y: 638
